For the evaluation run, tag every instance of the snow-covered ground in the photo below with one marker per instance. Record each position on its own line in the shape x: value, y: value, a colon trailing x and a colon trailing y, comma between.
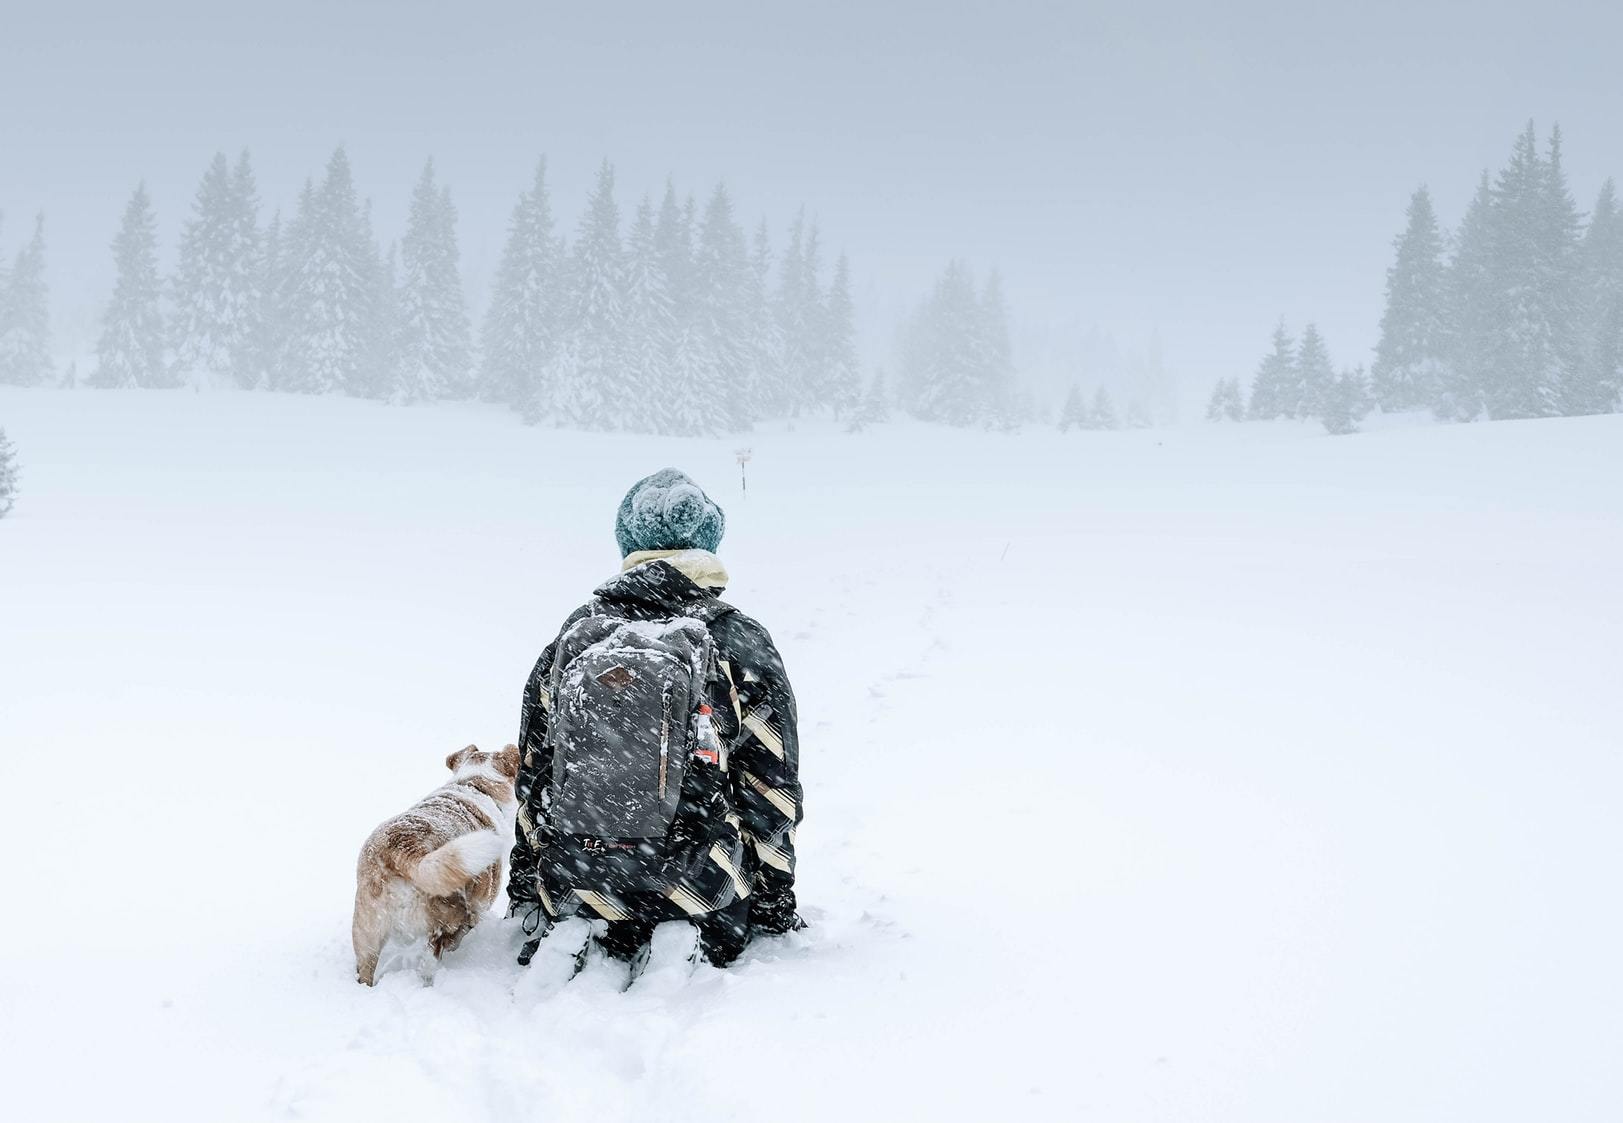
x: 1220, y: 774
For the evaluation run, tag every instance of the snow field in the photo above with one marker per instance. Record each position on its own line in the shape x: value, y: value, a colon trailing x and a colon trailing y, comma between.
x: 1236, y: 773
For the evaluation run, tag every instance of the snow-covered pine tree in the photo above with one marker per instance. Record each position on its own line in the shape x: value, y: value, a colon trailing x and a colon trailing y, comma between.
x: 875, y: 409
x: 1103, y: 413
x: 521, y: 325
x: 1560, y: 243
x: 1233, y: 400
x: 248, y: 294
x: 377, y: 373
x: 1347, y: 402
x: 1458, y: 395
x: 673, y: 242
x: 590, y: 375
x: 765, y: 342
x: 1534, y: 244
x: 196, y: 333
x: 1314, y: 373
x: 720, y: 401
x: 329, y: 280
x: 1596, y: 382
x: 9, y: 473
x: 130, y: 350
x: 844, y: 388
x: 1074, y: 414
x: 790, y: 310
x: 1214, y: 404
x: 1412, y: 345
x: 650, y: 330
x: 383, y: 364
x: 25, y: 320
x: 813, y: 380
x: 802, y: 320
x: 690, y: 363
x: 269, y: 332
x: 1275, y: 391
x: 435, y: 352
x: 1005, y: 407
x: 213, y: 325
x: 943, y: 353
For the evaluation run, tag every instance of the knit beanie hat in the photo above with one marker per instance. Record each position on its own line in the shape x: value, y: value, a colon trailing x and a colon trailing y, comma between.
x: 668, y: 511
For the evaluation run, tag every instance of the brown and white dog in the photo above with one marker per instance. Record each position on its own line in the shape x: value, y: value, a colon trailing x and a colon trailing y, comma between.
x: 427, y: 876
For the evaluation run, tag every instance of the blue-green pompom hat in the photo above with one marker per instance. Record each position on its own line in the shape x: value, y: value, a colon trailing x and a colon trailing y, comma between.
x: 668, y: 511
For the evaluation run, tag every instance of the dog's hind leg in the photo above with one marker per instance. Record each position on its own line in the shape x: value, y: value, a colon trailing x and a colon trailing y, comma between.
x: 367, y: 936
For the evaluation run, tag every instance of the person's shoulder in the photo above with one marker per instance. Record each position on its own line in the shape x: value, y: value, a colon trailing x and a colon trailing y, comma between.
x: 735, y: 628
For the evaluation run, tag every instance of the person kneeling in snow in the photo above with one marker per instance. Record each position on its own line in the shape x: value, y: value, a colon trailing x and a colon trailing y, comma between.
x: 660, y: 759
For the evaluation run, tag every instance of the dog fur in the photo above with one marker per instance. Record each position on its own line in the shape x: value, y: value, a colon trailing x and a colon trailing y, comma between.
x: 426, y: 876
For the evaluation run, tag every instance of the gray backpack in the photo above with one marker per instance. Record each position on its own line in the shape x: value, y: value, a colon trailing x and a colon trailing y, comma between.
x: 624, y: 697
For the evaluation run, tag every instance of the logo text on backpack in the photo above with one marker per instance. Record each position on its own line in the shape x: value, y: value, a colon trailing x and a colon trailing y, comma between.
x: 617, y: 678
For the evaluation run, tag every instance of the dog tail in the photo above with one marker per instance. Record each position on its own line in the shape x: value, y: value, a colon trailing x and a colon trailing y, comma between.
x: 446, y: 870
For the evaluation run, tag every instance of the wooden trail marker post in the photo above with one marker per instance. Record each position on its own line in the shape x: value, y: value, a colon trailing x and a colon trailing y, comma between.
x: 743, y: 455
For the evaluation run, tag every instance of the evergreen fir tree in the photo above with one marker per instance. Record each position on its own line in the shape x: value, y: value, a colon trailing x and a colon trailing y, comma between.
x: 1314, y: 374
x: 1597, y: 378
x: 1412, y: 346
x: 387, y: 371
x: 765, y: 343
x: 1346, y: 402
x: 1469, y: 333
x: 270, y: 333
x: 1103, y: 413
x: 9, y: 473
x: 1226, y: 402
x: 1074, y: 415
x: 1275, y: 390
x: 650, y: 330
x: 329, y: 280
x: 791, y: 319
x: 1005, y: 410
x: 130, y: 350
x: 1534, y: 239
x: 25, y: 321
x: 521, y: 326
x: 589, y: 372
x: 875, y: 408
x: 1234, y: 400
x: 840, y: 342
x: 802, y: 321
x: 435, y: 358
x: 720, y: 400
x: 248, y: 293
x: 216, y: 300
x: 943, y: 353
x: 956, y: 361
x: 378, y: 374
x: 1561, y: 231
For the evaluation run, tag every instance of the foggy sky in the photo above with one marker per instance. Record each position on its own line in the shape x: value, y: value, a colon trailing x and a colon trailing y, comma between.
x: 1196, y: 169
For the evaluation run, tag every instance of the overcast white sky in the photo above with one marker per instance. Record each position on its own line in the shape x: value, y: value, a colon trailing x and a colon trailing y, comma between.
x: 1195, y: 167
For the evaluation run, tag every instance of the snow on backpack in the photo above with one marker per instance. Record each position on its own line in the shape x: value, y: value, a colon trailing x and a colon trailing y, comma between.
x: 625, y: 699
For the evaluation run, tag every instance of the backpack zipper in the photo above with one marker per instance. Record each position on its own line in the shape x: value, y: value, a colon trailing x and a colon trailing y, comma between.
x: 664, y: 743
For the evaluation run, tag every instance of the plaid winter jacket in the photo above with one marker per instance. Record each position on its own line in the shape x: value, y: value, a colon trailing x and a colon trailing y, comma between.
x: 754, y: 712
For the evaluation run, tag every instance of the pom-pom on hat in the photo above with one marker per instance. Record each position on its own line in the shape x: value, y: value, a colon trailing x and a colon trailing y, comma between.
x: 668, y: 511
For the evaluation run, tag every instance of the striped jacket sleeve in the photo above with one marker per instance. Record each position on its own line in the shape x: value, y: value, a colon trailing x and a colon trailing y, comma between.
x: 764, y: 752
x: 527, y: 834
